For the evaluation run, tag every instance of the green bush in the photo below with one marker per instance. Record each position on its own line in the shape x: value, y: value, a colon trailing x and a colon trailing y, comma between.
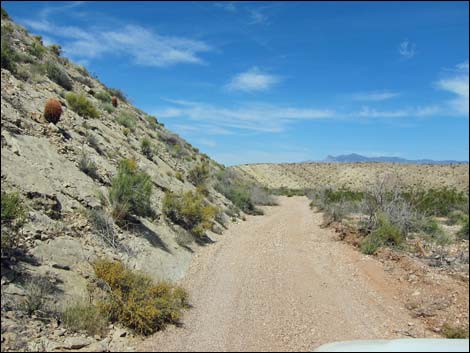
x: 146, y: 148
x: 152, y: 121
x: 437, y: 202
x: 135, y: 301
x: 8, y: 57
x: 130, y: 191
x: 56, y: 49
x: 456, y: 217
x: 81, y: 105
x: 84, y: 317
x: 5, y: 14
x: 58, y: 75
x: 199, y: 174
x: 127, y: 121
x: 108, y: 107
x: 37, y: 49
x: 190, y: 211
x: 12, y: 208
x: 103, y: 96
x: 384, y: 234
x: 463, y: 232
x: 13, y: 218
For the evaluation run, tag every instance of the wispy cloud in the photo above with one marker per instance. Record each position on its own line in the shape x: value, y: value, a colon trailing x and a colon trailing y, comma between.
x: 458, y: 85
x: 407, y: 49
x: 252, y: 80
x: 227, y: 6
x: 144, y: 46
x: 260, y: 117
x: 375, y: 96
x: 368, y: 112
x: 257, y: 16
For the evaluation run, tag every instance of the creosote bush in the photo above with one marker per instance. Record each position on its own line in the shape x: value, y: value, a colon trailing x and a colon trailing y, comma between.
x: 103, y: 96
x: 52, y: 111
x: 8, y: 57
x: 87, y: 166
x: 199, y: 174
x: 146, y: 148
x: 81, y: 105
x: 130, y: 191
x: 463, y: 232
x: 137, y: 302
x: 190, y: 211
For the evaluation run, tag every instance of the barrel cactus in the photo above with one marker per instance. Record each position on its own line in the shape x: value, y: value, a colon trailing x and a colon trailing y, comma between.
x: 114, y: 101
x: 52, y: 111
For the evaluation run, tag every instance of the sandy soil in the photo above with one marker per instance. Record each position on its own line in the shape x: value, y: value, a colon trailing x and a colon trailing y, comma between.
x: 282, y: 283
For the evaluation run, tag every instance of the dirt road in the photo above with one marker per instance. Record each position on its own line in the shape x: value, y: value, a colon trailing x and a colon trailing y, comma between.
x: 279, y: 282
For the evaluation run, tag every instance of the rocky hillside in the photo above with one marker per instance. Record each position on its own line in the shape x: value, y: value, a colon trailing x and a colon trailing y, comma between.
x: 356, y: 175
x: 62, y: 175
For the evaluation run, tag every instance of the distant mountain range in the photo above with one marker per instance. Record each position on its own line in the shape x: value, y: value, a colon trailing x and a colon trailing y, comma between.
x: 355, y: 158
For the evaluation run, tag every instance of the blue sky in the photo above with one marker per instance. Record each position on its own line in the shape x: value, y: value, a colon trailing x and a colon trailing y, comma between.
x: 289, y: 81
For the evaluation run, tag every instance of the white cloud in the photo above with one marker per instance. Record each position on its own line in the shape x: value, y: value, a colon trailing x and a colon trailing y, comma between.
x: 257, y: 17
x: 375, y: 96
x: 252, y: 80
x: 367, y: 112
x: 227, y: 6
x: 458, y: 85
x: 407, y: 49
x: 143, y: 45
x: 259, y: 117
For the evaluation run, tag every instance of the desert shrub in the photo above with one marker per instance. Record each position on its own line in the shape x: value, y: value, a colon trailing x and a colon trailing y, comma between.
x: 37, y: 49
x: 437, y: 202
x: 454, y: 332
x: 117, y: 93
x: 81, y: 105
x: 35, y: 298
x: 103, y: 96
x: 52, y: 111
x: 130, y: 191
x: 152, y: 121
x: 12, y: 208
x: 283, y: 191
x: 58, y: 75
x: 56, y: 49
x: 126, y: 120
x: 93, y: 142
x: 190, y: 211
x: 135, y: 301
x: 456, y: 217
x: 179, y: 176
x: 384, y: 234
x: 199, y: 174
x: 13, y: 218
x: 230, y: 184
x: 82, y: 69
x: 463, y: 232
x: 261, y: 196
x: 8, y: 56
x: 108, y: 107
x: 146, y: 148
x: 126, y: 131
x: 87, y: 166
x: 84, y: 317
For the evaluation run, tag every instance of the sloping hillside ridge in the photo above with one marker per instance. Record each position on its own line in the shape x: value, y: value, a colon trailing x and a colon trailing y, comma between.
x: 60, y: 170
x: 355, y: 176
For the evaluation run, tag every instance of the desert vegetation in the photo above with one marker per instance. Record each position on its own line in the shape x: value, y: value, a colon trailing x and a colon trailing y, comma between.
x: 388, y: 213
